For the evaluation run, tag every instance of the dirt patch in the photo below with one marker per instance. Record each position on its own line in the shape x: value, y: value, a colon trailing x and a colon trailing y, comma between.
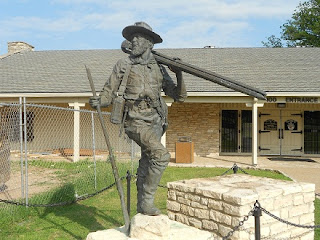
x: 39, y: 179
x: 66, y: 152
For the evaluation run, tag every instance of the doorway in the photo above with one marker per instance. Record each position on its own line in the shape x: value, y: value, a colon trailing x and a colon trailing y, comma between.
x: 281, y: 132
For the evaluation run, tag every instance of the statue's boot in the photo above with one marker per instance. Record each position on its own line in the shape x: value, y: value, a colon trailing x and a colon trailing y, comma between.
x: 149, y: 189
x: 140, y: 181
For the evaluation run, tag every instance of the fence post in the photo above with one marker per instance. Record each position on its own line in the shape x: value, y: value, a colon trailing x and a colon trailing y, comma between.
x: 94, y: 151
x: 235, y: 168
x: 257, y: 213
x: 21, y: 146
x: 128, y: 191
x: 25, y: 148
x: 132, y: 155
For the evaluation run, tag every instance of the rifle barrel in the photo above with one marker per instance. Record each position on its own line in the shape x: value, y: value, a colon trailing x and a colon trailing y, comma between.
x: 209, y: 75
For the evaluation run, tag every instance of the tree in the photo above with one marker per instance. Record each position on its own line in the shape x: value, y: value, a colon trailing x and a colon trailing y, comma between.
x: 273, y: 41
x: 302, y: 30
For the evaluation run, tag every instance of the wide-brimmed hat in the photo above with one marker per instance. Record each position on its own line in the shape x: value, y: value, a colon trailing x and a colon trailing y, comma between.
x: 140, y: 27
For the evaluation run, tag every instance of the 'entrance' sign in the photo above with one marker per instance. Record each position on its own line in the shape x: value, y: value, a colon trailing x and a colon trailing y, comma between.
x: 295, y: 100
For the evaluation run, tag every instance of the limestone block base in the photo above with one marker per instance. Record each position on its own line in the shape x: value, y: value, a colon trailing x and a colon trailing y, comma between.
x: 218, y: 204
x: 153, y: 228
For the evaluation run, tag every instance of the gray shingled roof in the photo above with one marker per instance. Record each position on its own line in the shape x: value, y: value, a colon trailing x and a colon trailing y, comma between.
x: 269, y: 69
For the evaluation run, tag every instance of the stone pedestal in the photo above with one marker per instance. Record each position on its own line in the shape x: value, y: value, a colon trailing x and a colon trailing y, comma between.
x: 218, y: 204
x: 153, y: 228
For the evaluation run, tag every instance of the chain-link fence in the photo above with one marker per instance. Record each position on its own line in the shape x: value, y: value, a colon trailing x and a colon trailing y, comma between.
x: 54, y: 155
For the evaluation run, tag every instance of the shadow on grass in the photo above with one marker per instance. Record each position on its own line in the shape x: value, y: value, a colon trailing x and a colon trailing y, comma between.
x: 76, y: 220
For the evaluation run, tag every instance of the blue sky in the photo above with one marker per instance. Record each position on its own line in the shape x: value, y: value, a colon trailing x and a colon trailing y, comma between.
x: 97, y: 24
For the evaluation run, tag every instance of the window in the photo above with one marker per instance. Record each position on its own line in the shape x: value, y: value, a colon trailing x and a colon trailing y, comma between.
x: 246, y: 131
x: 312, y: 132
x: 230, y: 133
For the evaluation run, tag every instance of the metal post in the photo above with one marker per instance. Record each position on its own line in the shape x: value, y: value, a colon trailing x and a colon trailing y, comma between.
x: 257, y: 213
x: 132, y: 155
x: 25, y: 149
x: 21, y: 147
x: 128, y: 191
x: 235, y: 168
x: 94, y: 151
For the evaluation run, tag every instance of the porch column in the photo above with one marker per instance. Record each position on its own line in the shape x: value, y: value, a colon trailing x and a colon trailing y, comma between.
x: 76, y: 129
x: 255, y: 132
x: 164, y: 136
x: 255, y: 106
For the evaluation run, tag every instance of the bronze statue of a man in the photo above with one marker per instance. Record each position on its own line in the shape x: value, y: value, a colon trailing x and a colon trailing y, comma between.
x: 145, y: 115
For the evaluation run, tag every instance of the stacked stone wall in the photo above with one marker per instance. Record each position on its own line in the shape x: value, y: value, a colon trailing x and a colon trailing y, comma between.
x: 219, y: 204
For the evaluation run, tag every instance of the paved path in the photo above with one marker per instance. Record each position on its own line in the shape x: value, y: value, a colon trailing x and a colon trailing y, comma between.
x: 298, y: 169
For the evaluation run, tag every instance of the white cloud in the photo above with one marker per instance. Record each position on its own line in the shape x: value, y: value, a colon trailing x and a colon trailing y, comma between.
x: 231, y: 9
x: 209, y: 8
x: 182, y: 23
x: 200, y: 34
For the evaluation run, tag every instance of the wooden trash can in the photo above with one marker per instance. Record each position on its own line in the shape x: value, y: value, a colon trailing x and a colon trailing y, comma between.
x: 184, y: 150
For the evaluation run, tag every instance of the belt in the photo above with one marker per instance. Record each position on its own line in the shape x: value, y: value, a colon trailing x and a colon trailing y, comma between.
x: 144, y: 103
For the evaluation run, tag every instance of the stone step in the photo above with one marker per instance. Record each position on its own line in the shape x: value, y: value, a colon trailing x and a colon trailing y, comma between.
x: 153, y: 228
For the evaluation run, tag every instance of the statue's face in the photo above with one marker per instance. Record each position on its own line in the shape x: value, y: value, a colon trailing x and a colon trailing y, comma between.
x: 139, y: 44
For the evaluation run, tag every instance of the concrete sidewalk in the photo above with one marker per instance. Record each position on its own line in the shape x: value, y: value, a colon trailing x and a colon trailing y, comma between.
x: 301, y: 169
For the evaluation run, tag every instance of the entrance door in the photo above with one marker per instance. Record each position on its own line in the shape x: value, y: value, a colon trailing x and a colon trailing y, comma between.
x: 280, y: 132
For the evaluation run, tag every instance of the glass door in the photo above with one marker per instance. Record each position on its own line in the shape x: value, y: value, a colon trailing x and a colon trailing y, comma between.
x: 312, y: 132
x: 229, y: 131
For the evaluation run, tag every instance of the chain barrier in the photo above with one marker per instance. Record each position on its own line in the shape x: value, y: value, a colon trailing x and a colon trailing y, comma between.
x: 243, y: 171
x: 240, y: 224
x: 77, y: 199
x: 227, y: 171
x: 159, y: 185
x: 235, y: 169
x: 287, y: 222
x: 256, y: 211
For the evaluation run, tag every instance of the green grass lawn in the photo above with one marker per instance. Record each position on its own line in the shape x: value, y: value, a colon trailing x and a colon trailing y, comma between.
x: 97, y: 213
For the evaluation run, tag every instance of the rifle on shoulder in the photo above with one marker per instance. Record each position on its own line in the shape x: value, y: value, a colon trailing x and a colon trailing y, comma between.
x: 202, y: 73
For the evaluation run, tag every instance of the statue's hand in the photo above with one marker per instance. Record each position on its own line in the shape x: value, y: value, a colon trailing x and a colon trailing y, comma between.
x: 94, y: 102
x: 174, y: 69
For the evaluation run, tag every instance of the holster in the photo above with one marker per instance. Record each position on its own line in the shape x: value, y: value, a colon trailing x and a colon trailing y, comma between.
x: 118, y: 103
x: 117, y: 110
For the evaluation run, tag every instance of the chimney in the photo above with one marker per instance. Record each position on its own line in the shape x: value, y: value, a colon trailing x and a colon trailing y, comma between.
x: 15, y: 47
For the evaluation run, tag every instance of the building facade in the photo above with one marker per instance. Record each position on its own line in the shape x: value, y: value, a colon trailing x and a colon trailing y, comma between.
x: 283, y: 128
x: 218, y: 120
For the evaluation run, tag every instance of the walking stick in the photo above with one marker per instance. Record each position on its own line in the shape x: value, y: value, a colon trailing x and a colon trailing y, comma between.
x: 112, y: 160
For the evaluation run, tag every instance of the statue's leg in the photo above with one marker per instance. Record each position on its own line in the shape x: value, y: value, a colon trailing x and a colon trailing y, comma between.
x: 149, y: 138
x: 141, y: 176
x: 158, y: 164
x: 158, y: 161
